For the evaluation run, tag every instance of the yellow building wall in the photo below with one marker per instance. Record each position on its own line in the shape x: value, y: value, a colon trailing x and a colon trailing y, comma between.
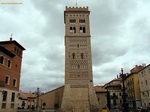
x: 136, y: 86
x: 133, y: 89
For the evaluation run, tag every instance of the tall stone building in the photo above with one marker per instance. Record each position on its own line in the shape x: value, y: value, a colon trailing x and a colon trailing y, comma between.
x: 79, y: 94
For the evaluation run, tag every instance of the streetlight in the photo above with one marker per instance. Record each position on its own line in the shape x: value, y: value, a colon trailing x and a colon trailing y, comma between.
x: 37, y: 100
x: 108, y: 99
x: 125, y: 103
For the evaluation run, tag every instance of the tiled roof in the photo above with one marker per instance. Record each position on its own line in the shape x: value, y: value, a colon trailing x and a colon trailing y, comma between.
x: 12, y: 41
x: 25, y: 95
x: 100, y: 89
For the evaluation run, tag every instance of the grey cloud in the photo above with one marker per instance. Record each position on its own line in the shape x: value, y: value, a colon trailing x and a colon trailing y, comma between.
x: 119, y: 30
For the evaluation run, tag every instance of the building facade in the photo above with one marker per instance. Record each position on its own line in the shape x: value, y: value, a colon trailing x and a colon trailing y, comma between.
x: 10, y: 68
x: 27, y: 100
x: 101, y: 94
x: 79, y: 94
x: 52, y: 99
x: 115, y: 92
x: 144, y: 82
x: 133, y: 88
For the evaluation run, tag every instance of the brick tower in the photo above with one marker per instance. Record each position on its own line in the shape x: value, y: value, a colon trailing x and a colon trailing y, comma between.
x: 79, y: 94
x: 11, y: 53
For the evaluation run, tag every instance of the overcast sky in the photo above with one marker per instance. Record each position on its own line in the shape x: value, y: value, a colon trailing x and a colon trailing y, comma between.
x: 120, y: 36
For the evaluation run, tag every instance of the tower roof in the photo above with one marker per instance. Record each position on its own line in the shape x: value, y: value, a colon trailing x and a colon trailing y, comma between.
x: 10, y: 42
x: 75, y: 10
x: 6, y: 51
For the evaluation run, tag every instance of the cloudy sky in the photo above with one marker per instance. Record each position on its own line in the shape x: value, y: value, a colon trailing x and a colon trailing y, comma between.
x: 120, y: 33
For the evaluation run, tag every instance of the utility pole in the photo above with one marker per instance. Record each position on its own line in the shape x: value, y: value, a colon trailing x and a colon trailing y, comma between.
x: 37, y: 100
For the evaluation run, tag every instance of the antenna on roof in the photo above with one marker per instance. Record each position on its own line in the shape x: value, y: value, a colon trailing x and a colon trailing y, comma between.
x: 11, y: 37
x: 76, y: 3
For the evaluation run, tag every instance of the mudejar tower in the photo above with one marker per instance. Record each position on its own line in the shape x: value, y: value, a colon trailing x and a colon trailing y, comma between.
x: 79, y: 94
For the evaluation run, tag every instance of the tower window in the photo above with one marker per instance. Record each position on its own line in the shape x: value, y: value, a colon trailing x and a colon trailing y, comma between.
x: 82, y: 55
x: 72, y: 21
x: 82, y: 21
x: 78, y: 66
x: 82, y: 29
x: 1, y: 59
x: 73, y: 29
x: 73, y: 55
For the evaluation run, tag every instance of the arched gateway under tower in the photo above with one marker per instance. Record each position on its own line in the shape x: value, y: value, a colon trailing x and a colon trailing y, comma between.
x: 79, y: 94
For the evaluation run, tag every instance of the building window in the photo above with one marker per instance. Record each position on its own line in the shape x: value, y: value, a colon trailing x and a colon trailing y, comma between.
x: 7, y: 80
x: 12, y: 97
x: 14, y: 82
x: 3, y: 105
x: 23, y: 104
x: 72, y: 21
x: 9, y: 63
x: 4, y: 95
x: 12, y: 105
x: 82, y: 21
x: 1, y: 59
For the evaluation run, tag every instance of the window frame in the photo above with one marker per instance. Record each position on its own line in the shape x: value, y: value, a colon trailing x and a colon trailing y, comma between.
x: 2, y: 58
x: 13, y: 97
x: 8, y: 80
x: 9, y: 63
x: 5, y: 95
x: 14, y: 83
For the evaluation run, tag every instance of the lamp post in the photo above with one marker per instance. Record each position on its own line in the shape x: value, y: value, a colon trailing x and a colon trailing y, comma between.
x: 125, y: 104
x: 37, y: 100
x: 108, y: 100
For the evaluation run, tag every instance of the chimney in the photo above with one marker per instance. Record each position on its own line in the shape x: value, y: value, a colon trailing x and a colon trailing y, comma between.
x: 11, y: 37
